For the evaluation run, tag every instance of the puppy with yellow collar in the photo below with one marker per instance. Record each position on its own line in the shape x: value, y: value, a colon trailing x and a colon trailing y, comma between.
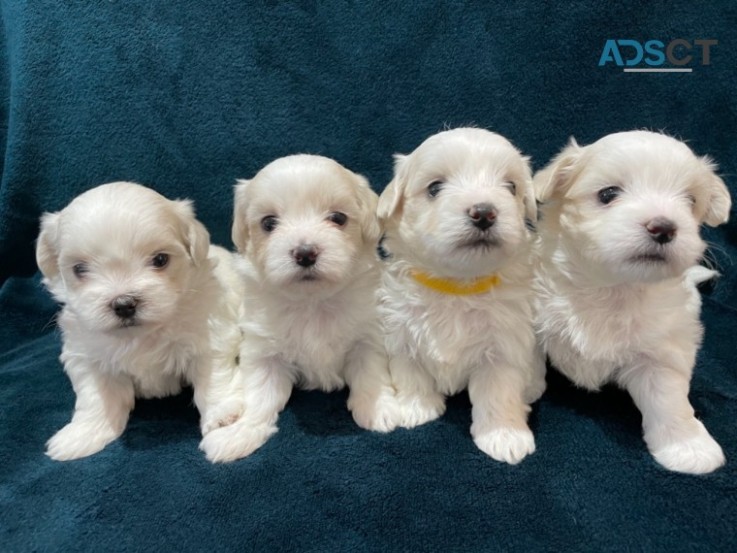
x: 456, y: 292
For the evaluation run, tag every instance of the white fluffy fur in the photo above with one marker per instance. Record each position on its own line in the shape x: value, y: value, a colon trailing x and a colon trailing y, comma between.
x: 116, y: 230
x: 314, y: 327
x: 605, y: 313
x: 441, y: 344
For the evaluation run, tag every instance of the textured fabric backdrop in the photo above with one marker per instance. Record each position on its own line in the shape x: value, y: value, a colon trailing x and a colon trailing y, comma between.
x: 187, y: 96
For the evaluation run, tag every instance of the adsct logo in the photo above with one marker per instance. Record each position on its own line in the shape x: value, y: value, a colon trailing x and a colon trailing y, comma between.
x: 651, y: 56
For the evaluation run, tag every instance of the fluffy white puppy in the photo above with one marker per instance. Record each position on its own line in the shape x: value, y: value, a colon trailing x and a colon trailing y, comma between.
x: 456, y: 294
x: 307, y: 230
x: 139, y: 296
x: 616, y: 278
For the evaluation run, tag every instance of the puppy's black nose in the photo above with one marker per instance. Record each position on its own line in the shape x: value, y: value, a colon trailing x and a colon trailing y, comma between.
x: 482, y: 215
x: 305, y: 255
x: 124, y: 306
x: 661, y: 230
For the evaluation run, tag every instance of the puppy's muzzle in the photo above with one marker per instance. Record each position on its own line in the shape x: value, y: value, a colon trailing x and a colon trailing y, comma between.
x: 661, y: 230
x: 482, y: 215
x: 124, y: 306
x: 305, y: 255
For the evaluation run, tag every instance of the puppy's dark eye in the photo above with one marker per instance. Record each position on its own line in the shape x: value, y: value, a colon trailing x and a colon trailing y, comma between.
x: 691, y: 199
x: 512, y: 188
x: 434, y: 188
x: 160, y: 260
x: 80, y: 269
x: 338, y: 218
x: 609, y: 194
x: 269, y: 223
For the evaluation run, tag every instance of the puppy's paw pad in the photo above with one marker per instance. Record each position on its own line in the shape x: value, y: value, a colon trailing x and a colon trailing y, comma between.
x: 420, y: 410
x: 508, y: 445
x: 230, y: 443
x: 217, y: 418
x: 699, y: 455
x: 77, y: 440
x: 227, y: 420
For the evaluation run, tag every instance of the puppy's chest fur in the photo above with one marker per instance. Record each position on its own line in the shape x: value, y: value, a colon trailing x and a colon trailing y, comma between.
x: 312, y: 337
x: 449, y: 335
x: 158, y: 361
x: 598, y: 331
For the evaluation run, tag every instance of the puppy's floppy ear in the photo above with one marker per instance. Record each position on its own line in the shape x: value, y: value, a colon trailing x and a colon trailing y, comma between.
x: 390, y: 201
x: 718, y: 202
x: 194, y: 234
x: 529, y: 191
x: 239, y: 232
x: 47, y: 245
x: 367, y: 203
x: 555, y: 179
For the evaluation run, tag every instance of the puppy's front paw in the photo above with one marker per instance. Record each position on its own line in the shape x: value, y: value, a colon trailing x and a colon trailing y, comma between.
x: 698, y: 455
x: 79, y: 439
x: 417, y: 410
x: 380, y: 414
x: 223, y: 414
x: 508, y: 445
x: 229, y: 443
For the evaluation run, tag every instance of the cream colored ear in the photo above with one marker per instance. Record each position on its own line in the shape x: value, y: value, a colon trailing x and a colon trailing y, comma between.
x: 47, y: 245
x: 367, y: 203
x: 199, y: 241
x: 195, y: 236
x: 239, y: 232
x: 555, y: 179
x: 718, y: 201
x: 529, y: 192
x: 390, y: 201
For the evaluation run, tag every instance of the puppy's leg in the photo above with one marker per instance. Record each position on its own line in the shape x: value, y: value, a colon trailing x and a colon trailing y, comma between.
x: 267, y: 385
x: 218, y: 392
x: 419, y: 401
x: 674, y: 436
x: 499, y: 413
x: 100, y: 413
x: 371, y: 400
x: 537, y: 384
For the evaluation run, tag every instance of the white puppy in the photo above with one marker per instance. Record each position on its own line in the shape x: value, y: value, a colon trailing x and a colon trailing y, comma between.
x: 616, y: 278
x: 456, y: 296
x: 139, y: 294
x: 307, y: 229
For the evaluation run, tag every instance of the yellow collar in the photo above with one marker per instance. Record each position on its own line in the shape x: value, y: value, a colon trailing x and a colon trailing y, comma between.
x: 455, y: 287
